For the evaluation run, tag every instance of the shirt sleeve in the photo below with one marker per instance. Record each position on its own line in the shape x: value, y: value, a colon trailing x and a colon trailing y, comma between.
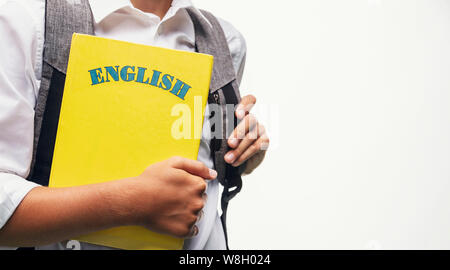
x: 19, y: 46
x: 237, y: 45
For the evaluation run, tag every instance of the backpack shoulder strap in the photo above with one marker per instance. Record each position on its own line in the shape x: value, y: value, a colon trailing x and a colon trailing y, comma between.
x: 210, y: 39
x: 63, y: 18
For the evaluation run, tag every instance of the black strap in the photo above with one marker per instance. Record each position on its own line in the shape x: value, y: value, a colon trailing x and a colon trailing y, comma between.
x: 46, y: 143
x: 232, y: 183
x: 228, y: 193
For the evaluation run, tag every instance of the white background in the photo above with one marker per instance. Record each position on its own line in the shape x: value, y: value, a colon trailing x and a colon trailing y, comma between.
x: 360, y: 155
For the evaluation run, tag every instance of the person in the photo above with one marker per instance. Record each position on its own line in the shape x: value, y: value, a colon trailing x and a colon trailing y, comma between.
x: 35, y: 215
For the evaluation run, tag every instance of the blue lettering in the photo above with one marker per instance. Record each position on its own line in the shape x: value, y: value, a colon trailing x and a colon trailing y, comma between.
x: 180, y: 89
x: 166, y: 83
x: 130, y: 73
x: 96, y: 76
x: 113, y: 71
x: 125, y: 75
x: 155, y: 78
x: 140, y: 75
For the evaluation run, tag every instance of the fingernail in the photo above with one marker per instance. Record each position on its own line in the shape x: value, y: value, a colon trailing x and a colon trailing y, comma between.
x: 233, y: 142
x: 194, y: 230
x: 229, y: 157
x: 212, y: 173
x: 200, y: 215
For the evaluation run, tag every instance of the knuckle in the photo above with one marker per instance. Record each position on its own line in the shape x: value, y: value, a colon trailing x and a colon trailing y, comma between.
x: 181, y: 162
x: 202, y: 186
x: 184, y: 176
x: 192, y: 220
x: 175, y: 160
x: 178, y: 174
x: 254, y: 147
x: 195, y: 181
x: 198, y: 205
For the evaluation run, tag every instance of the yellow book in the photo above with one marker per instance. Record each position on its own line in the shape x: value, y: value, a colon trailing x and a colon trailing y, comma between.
x: 126, y: 106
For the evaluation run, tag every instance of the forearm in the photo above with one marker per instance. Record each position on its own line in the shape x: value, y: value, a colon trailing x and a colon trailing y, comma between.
x: 48, y: 215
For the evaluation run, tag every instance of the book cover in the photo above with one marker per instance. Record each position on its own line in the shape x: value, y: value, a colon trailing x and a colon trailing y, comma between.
x: 121, y: 111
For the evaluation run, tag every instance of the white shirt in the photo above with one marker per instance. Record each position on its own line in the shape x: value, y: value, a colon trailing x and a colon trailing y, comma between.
x: 21, y: 52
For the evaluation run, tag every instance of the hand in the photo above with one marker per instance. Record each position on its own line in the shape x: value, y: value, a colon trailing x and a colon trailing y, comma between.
x: 171, y: 196
x: 249, y: 140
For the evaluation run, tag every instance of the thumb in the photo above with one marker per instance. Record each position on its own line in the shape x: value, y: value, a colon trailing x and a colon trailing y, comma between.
x: 194, y: 167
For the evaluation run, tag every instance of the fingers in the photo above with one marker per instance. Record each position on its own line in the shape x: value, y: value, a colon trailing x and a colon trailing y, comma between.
x: 249, y: 140
x: 193, y: 167
x: 241, y: 130
x: 255, y: 141
x: 199, y: 215
x: 245, y: 106
x: 194, y: 228
x: 195, y: 171
x: 260, y: 145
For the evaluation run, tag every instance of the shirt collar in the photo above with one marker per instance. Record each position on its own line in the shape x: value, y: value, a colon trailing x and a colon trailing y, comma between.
x: 103, y: 8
